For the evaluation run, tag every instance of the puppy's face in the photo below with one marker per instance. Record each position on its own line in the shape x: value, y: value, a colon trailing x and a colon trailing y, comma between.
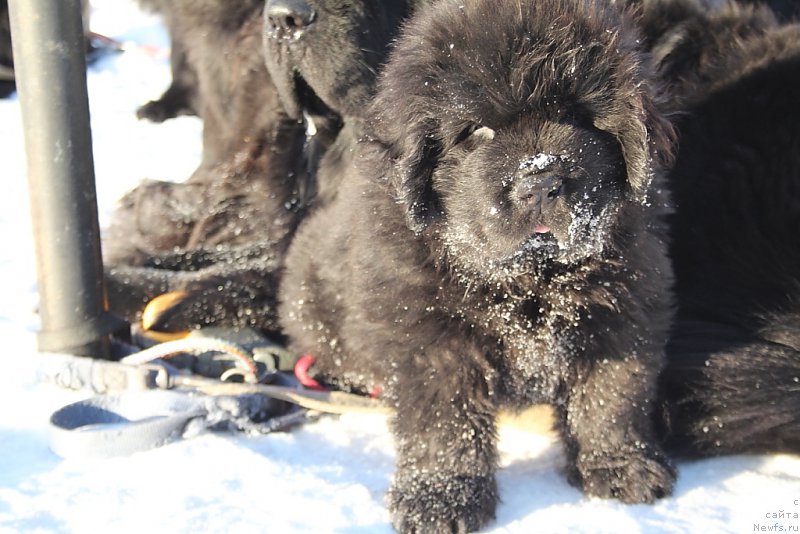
x: 324, y: 54
x: 531, y: 189
x: 520, y: 143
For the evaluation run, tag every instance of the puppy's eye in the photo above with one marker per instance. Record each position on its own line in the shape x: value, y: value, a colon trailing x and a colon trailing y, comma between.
x: 475, y: 134
x: 484, y: 133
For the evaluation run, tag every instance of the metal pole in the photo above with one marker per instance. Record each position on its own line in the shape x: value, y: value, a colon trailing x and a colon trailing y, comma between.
x: 50, y: 64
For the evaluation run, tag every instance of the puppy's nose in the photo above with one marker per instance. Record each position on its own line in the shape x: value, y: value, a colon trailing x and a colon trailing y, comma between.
x: 288, y: 18
x: 537, y: 192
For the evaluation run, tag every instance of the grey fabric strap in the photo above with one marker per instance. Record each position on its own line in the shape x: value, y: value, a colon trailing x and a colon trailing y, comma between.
x: 117, y: 425
x: 99, y: 376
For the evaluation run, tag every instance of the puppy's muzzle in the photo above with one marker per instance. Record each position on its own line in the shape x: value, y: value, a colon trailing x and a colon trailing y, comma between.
x: 537, y: 193
x: 288, y: 19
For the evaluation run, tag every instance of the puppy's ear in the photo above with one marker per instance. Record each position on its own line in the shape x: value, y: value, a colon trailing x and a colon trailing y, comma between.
x: 414, y: 159
x: 646, y: 138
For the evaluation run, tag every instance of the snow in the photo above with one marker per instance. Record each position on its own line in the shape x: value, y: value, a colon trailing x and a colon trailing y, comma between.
x: 329, y: 476
x: 540, y: 162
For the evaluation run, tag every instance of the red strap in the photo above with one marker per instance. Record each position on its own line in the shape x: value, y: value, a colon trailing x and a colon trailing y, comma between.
x: 301, y: 368
x: 304, y: 363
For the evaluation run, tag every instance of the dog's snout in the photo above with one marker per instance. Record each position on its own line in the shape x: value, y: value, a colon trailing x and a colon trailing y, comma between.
x: 288, y: 18
x: 538, y: 192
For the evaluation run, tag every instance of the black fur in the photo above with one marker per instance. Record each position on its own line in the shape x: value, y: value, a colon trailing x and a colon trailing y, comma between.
x: 218, y: 72
x: 786, y: 10
x: 238, y: 211
x: 180, y: 98
x: 502, y: 245
x: 326, y: 72
x: 221, y: 237
x: 732, y: 379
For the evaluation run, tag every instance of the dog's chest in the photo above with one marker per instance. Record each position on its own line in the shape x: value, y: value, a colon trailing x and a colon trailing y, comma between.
x: 535, y: 342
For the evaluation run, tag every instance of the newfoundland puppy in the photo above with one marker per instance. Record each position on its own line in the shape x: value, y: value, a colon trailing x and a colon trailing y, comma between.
x: 218, y: 241
x: 324, y: 56
x: 733, y: 74
x: 501, y: 243
x: 239, y: 209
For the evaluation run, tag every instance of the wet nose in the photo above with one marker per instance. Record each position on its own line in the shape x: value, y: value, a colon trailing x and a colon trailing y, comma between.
x: 288, y: 18
x: 537, y: 192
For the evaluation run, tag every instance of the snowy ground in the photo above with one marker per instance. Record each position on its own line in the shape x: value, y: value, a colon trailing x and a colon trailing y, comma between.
x: 326, y: 477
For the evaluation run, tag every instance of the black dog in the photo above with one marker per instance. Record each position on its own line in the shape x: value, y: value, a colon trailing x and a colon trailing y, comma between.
x: 502, y: 245
x: 230, y: 227
x: 237, y: 212
x: 324, y: 60
x: 734, y: 353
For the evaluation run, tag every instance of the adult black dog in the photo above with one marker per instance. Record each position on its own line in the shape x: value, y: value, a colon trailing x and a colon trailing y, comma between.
x: 731, y: 384
x: 502, y: 245
x: 230, y: 246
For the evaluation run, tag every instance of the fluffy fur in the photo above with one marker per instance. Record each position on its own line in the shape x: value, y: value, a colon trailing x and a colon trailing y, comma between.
x: 501, y: 245
x: 221, y: 238
x: 238, y: 211
x: 325, y: 72
x: 731, y: 383
x: 786, y: 10
x: 218, y: 72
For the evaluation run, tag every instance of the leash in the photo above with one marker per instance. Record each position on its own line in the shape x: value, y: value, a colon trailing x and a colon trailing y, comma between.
x: 150, y: 398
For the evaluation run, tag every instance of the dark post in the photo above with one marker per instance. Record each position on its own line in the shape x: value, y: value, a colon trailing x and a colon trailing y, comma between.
x: 50, y: 65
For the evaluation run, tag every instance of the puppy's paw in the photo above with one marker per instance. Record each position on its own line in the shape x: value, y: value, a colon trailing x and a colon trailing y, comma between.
x: 441, y: 504
x: 636, y: 476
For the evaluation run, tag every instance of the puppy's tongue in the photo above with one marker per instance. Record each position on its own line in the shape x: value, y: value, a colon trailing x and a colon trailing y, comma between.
x: 541, y: 229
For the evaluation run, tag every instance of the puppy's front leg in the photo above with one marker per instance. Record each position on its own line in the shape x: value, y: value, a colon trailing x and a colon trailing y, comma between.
x: 608, y: 432
x: 446, y: 445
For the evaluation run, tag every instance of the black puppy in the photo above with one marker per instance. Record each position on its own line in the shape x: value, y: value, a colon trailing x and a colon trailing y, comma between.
x: 218, y: 72
x: 220, y: 239
x: 733, y: 72
x: 502, y: 245
x: 324, y: 58
x: 237, y: 212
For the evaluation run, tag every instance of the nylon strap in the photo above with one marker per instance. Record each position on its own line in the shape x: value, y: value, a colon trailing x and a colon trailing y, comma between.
x: 118, y: 425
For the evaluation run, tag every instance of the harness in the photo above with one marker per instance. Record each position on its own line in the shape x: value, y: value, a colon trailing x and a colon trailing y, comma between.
x: 213, y: 379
